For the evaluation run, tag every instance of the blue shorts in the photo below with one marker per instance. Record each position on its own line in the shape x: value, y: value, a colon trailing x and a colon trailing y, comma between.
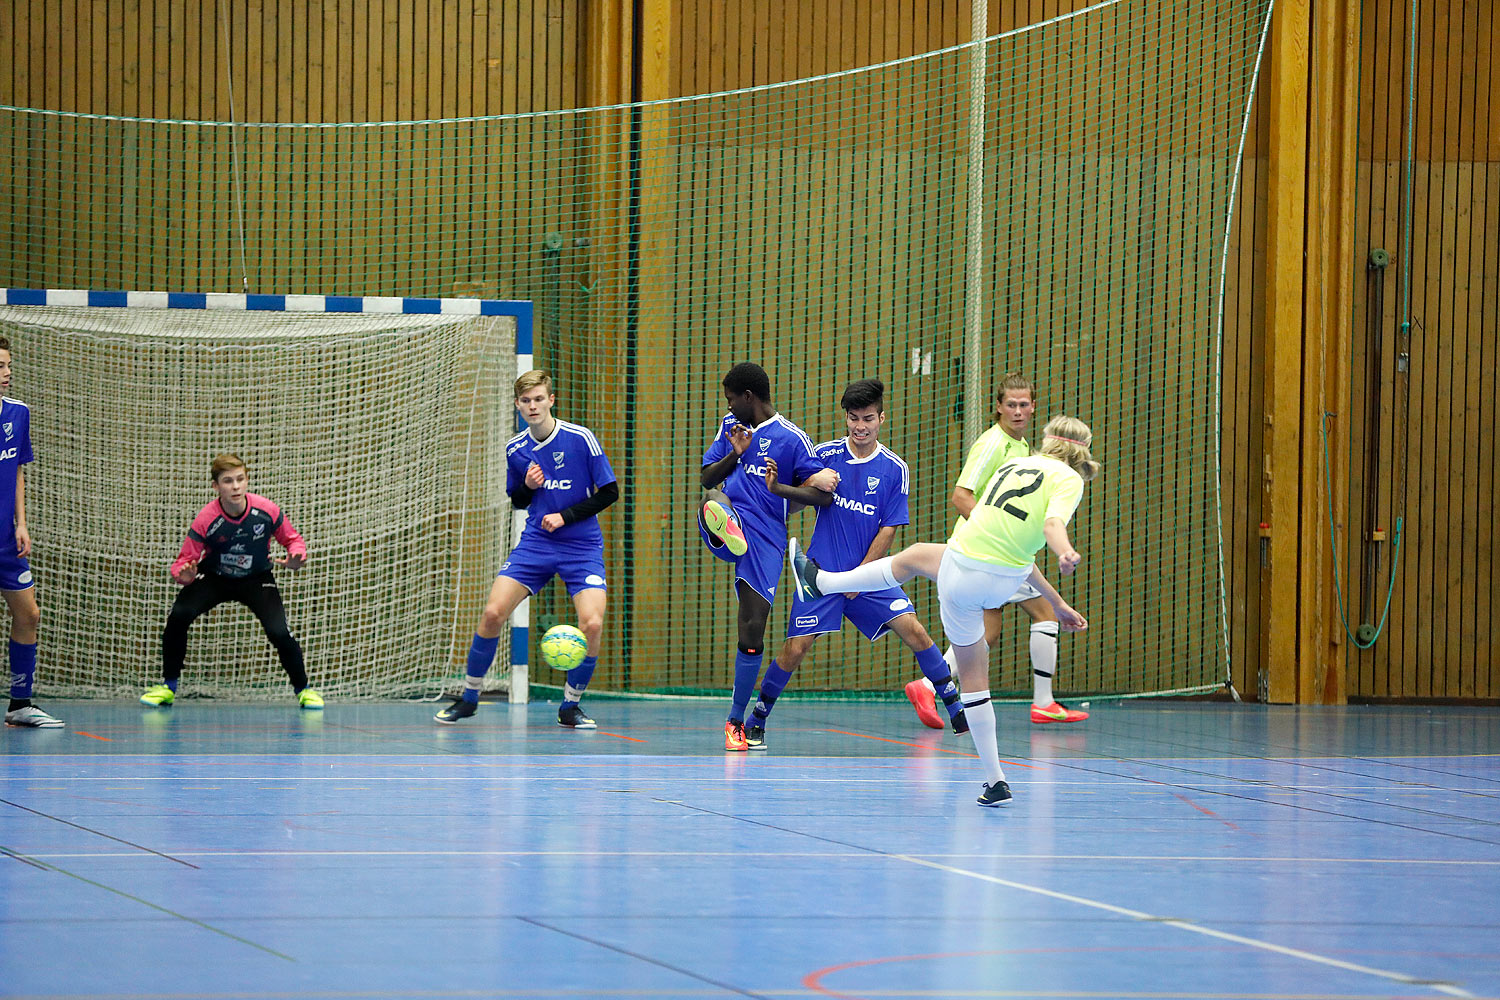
x: 760, y: 566
x: 870, y: 612
x: 536, y: 560
x: 15, y: 571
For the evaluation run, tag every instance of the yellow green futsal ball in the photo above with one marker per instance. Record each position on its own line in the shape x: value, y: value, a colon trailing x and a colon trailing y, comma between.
x: 564, y: 647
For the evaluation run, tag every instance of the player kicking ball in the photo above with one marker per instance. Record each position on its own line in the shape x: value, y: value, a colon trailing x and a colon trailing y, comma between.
x: 227, y: 557
x: 1026, y: 504
x: 754, y: 453
x: 557, y: 472
x: 868, y: 506
x: 15, y: 550
x: 1015, y: 402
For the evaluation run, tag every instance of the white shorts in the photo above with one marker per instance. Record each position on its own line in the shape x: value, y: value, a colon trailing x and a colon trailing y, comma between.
x: 967, y: 588
x: 1025, y: 592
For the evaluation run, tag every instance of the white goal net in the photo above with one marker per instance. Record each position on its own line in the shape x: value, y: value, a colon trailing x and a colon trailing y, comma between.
x: 380, y: 435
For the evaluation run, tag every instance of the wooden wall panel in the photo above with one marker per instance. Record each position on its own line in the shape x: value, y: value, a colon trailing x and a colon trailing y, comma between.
x: 1435, y: 424
x: 272, y: 61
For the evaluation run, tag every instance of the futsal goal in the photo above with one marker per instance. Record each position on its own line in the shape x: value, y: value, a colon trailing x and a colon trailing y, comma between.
x: 378, y: 425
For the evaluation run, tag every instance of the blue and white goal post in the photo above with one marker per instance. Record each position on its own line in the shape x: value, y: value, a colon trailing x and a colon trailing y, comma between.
x: 379, y: 422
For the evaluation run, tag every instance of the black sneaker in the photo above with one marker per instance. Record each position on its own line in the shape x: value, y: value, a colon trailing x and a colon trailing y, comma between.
x: 572, y: 717
x: 755, y: 737
x: 960, y: 723
x: 804, y: 571
x: 460, y: 709
x: 997, y: 794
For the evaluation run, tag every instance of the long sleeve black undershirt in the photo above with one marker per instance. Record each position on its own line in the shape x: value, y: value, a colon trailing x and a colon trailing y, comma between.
x: 591, y: 506
x: 521, y: 497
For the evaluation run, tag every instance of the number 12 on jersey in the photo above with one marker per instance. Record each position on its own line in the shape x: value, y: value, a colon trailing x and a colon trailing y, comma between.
x: 1028, y: 480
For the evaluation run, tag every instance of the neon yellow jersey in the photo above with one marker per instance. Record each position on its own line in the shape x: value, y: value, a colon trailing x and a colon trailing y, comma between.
x: 989, y: 451
x: 1006, y: 526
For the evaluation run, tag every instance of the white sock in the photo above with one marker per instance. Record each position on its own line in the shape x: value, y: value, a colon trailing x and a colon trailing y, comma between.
x: 1043, y: 661
x: 871, y: 576
x: 981, y: 715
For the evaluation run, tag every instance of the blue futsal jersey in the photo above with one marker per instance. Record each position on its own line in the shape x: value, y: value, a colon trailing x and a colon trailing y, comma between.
x: 778, y: 438
x: 574, y: 467
x: 872, y: 494
x: 15, y: 451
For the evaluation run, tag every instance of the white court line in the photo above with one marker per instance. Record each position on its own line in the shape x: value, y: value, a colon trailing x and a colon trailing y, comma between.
x: 861, y: 853
x: 1188, y: 925
x: 471, y: 773
x: 521, y: 777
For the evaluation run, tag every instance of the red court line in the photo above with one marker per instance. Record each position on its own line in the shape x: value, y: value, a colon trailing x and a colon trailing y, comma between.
x: 904, y: 743
x: 633, y: 739
x: 1207, y: 812
x: 91, y: 736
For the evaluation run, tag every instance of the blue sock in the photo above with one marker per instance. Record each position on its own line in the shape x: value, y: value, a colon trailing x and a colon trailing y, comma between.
x: 22, y: 669
x: 746, y: 669
x: 771, y: 687
x: 935, y: 669
x: 481, y: 655
x: 171, y: 685
x: 578, y: 679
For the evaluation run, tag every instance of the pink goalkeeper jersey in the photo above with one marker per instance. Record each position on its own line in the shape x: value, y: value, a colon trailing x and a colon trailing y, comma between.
x: 241, y: 546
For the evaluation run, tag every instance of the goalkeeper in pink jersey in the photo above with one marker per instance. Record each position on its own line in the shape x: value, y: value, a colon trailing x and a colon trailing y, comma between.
x: 227, y: 557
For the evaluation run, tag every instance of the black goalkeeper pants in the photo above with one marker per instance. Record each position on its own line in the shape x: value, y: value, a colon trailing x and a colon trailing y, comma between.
x: 259, y: 593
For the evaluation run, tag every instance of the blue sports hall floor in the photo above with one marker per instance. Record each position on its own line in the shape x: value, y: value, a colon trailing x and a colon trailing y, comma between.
x: 1156, y: 850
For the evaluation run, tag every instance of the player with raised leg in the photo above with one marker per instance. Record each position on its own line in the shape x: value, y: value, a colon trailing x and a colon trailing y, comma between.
x: 227, y: 557
x: 744, y: 523
x: 559, y: 474
x: 1026, y: 504
x: 15, y: 550
x: 1015, y: 403
x: 868, y: 505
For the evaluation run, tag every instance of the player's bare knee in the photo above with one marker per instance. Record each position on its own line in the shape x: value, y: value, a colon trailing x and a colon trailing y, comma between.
x: 592, y: 626
x: 491, y: 619
x: 752, y: 632
x: 794, y: 651
x: 752, y: 619
x: 994, y: 624
x: 911, y: 632
x: 27, y: 619
x: 1040, y: 609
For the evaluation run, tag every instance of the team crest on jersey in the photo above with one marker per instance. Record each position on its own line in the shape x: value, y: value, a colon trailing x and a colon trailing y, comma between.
x: 8, y: 429
x: 557, y: 457
x: 259, y: 529
x: 872, y: 482
x: 765, y: 445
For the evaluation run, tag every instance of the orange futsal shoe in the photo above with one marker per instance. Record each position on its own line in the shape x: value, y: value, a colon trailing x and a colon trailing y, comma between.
x: 734, y: 736
x: 1043, y: 714
x: 922, y: 700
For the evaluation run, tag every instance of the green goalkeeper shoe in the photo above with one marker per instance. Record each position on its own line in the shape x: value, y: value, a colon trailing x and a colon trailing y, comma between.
x: 310, y: 700
x: 158, y: 696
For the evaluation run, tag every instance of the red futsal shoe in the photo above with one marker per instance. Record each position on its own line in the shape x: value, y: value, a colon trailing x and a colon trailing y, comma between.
x: 1043, y: 714
x: 924, y: 702
x: 734, y: 736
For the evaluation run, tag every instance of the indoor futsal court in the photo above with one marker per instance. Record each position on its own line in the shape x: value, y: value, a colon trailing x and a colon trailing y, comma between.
x: 673, y: 499
x: 1194, y: 850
